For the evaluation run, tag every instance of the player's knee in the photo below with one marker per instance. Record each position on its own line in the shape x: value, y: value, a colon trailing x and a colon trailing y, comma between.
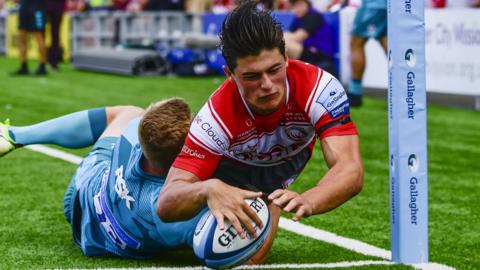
x: 357, y: 42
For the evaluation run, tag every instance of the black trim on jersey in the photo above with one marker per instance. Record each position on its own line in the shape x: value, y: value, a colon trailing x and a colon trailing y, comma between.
x: 339, y: 122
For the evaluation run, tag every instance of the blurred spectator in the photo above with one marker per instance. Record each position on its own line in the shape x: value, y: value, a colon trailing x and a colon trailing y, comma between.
x: 74, y: 6
x: 54, y: 14
x: 155, y: 5
x: 370, y: 22
x: 308, y: 38
x: 3, y: 8
x: 222, y: 6
x: 325, y: 5
x: 31, y: 21
x: 476, y: 3
x: 120, y: 4
x: 95, y: 5
x: 198, y: 6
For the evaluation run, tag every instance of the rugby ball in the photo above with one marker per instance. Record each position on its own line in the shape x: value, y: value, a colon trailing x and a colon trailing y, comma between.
x: 220, y: 249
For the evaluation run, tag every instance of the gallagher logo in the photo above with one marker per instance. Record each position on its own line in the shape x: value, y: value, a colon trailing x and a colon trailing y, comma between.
x: 413, y: 163
x: 410, y: 58
x: 296, y: 134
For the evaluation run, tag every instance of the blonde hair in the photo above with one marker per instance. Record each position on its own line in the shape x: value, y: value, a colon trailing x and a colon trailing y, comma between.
x: 162, y: 131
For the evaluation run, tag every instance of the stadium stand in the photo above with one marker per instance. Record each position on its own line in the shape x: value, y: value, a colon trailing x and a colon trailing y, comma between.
x: 106, y: 29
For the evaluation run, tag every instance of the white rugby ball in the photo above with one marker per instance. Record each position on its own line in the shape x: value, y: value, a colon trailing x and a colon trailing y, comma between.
x: 220, y: 249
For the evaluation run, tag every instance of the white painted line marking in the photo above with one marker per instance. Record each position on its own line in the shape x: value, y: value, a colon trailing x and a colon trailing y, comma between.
x: 315, y: 265
x: 328, y: 237
x: 286, y: 224
x: 271, y: 266
x: 55, y: 153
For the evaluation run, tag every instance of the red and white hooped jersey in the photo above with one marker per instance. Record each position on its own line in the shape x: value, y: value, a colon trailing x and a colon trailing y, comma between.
x: 226, y: 128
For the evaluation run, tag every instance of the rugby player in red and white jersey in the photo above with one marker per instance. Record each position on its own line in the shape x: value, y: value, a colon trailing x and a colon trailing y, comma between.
x: 256, y: 133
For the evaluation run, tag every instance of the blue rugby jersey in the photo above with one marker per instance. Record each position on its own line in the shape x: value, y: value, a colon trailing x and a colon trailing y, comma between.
x: 119, y: 207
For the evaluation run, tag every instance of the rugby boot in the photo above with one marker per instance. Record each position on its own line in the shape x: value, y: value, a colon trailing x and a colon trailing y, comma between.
x: 41, y: 70
x: 7, y: 144
x: 23, y: 70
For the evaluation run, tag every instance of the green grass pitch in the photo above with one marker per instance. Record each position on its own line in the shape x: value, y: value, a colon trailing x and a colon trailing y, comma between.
x: 34, y: 233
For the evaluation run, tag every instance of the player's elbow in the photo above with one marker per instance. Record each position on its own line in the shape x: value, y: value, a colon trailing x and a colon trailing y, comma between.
x: 163, y: 213
x: 357, y: 172
x: 165, y: 210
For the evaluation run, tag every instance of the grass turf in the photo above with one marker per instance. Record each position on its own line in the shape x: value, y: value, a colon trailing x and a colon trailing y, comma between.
x: 34, y: 234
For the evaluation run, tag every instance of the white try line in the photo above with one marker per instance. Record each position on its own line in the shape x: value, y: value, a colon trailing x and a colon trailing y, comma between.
x: 288, y: 225
x: 271, y: 266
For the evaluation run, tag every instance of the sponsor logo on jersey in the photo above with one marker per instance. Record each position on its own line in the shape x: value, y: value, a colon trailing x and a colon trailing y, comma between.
x: 341, y: 109
x: 192, y: 152
x: 121, y: 188
x: 295, y: 116
x: 197, y: 119
x: 334, y: 100
x: 246, y: 134
x: 207, y: 128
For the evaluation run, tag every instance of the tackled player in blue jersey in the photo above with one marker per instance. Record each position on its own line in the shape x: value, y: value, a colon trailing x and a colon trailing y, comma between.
x: 111, y: 200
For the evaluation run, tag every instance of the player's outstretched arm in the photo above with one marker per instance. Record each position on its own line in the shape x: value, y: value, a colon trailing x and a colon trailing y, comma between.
x: 343, y: 180
x: 184, y: 195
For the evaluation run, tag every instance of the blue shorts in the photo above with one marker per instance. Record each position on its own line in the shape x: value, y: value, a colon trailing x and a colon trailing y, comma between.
x: 31, y: 20
x: 90, y: 170
x: 370, y: 23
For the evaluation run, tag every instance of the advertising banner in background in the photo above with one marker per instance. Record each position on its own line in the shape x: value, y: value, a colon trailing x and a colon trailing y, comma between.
x: 452, y: 52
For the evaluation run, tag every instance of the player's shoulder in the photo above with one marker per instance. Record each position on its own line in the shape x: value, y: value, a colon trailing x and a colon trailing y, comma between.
x: 226, y: 107
x: 302, y: 75
x: 305, y: 79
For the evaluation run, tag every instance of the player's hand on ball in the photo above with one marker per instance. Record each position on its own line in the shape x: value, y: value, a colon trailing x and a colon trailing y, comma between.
x: 293, y: 202
x: 225, y: 201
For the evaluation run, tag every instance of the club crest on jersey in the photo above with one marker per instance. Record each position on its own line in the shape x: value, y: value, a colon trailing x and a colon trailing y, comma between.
x: 334, y: 99
x: 296, y: 133
x: 121, y: 187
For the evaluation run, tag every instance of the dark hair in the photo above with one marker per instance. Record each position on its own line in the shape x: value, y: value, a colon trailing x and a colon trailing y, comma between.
x: 162, y: 131
x: 248, y: 31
